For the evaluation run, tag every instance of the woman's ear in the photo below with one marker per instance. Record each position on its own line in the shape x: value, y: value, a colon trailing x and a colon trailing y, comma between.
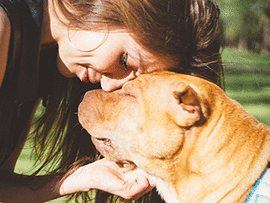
x: 185, y: 106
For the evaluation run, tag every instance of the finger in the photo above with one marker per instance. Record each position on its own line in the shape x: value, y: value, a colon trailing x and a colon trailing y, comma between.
x: 145, y: 185
x: 142, y: 179
x: 137, y: 188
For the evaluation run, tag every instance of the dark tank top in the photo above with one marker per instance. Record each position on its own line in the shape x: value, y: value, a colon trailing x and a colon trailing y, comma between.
x: 20, y: 87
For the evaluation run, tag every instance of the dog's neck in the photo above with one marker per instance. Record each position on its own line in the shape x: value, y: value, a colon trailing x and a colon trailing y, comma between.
x: 217, y: 167
x: 231, y: 159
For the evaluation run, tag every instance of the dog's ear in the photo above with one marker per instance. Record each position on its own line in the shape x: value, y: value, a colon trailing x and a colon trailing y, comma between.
x: 185, y: 107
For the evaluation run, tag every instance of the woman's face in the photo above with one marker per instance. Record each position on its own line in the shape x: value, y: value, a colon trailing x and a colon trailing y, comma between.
x: 109, y: 58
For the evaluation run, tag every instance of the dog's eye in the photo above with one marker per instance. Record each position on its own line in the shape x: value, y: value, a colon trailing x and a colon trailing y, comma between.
x: 129, y: 95
x: 104, y: 140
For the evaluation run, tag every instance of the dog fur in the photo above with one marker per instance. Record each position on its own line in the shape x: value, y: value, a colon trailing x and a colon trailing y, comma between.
x: 183, y: 132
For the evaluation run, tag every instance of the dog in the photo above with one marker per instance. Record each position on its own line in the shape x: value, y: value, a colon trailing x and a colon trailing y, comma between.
x: 183, y: 132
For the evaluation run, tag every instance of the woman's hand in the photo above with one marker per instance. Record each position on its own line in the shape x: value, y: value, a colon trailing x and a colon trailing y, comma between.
x: 107, y: 176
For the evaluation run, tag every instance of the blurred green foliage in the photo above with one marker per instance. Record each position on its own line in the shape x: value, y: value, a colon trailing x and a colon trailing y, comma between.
x: 246, y: 24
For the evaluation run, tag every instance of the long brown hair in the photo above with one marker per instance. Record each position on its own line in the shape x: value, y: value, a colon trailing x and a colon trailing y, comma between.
x: 185, y: 31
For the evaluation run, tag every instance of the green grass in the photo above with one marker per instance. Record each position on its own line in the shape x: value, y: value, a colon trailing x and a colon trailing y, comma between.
x: 244, y: 60
x: 252, y: 91
x: 247, y: 79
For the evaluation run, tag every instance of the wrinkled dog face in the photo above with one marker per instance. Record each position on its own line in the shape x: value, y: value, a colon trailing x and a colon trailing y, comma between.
x: 144, y: 122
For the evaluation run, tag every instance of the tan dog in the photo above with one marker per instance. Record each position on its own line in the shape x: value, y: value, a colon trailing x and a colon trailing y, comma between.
x: 197, y: 144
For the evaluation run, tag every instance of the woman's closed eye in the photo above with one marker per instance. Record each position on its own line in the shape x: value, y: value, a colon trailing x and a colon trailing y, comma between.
x: 123, y: 61
x: 85, y: 65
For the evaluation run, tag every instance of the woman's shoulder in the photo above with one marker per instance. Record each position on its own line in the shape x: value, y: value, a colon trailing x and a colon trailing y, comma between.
x: 25, y: 18
x: 5, y: 30
x: 5, y: 27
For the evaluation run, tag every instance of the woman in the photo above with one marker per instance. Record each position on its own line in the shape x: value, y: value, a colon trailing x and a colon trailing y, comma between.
x: 107, y: 42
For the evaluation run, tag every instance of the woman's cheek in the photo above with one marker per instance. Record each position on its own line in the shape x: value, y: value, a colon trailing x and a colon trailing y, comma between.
x: 63, y: 69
